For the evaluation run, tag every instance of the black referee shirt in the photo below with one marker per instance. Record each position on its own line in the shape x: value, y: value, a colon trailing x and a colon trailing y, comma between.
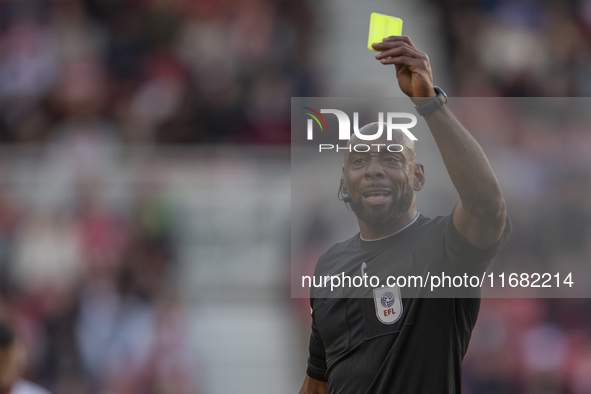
x: 394, y: 340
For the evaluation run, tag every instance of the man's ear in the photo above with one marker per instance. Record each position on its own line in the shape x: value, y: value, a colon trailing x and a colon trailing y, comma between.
x: 419, y: 177
x: 343, y: 185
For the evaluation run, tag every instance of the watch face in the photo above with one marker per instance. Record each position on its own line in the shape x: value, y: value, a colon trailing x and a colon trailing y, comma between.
x: 440, y: 92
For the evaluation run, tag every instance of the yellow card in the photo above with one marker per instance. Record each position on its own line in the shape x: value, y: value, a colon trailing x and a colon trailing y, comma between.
x: 382, y: 26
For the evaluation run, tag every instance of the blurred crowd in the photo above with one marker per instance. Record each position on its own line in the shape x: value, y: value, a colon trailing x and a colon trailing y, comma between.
x: 539, y: 149
x: 530, y: 345
x: 87, y: 288
x: 153, y: 71
x: 522, y: 48
x: 86, y: 279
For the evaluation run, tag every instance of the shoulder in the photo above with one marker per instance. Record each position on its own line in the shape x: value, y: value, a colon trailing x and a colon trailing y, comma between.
x: 436, y: 223
x: 438, y: 227
x: 25, y: 387
x: 427, y: 228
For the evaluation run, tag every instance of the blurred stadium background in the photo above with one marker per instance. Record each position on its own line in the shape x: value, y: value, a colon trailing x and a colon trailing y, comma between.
x: 145, y: 169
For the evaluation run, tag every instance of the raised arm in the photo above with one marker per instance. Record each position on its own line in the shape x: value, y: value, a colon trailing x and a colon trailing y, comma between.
x: 480, y: 214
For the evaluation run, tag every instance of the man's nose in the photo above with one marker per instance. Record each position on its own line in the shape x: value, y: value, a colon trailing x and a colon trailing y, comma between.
x: 374, y: 168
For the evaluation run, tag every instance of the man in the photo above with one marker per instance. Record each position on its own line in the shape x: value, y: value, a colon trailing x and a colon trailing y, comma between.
x: 394, y: 340
x: 12, y: 362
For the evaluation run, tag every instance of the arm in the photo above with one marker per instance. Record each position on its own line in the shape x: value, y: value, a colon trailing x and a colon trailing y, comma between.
x: 313, y: 386
x: 314, y: 383
x: 480, y: 214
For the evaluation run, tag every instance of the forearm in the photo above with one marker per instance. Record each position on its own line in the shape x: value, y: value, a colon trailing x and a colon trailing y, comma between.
x: 467, y: 165
x: 313, y: 386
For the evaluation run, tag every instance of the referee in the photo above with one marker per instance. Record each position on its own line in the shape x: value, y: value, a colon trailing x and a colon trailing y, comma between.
x: 393, y: 339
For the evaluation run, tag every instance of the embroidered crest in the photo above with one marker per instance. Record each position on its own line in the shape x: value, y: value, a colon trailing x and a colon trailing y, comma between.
x: 388, y: 304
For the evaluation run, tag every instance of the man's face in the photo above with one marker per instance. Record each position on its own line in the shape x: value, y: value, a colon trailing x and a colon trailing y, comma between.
x: 380, y: 183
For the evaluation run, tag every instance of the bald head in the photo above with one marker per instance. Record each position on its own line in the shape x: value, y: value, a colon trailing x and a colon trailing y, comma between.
x: 398, y: 137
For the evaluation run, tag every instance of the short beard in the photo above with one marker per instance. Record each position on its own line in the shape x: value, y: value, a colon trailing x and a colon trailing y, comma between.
x: 378, y: 217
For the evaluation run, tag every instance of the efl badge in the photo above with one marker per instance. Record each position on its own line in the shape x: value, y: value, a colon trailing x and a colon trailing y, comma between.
x: 388, y: 304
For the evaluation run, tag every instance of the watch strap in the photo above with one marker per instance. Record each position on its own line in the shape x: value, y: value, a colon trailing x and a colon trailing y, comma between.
x: 434, y: 104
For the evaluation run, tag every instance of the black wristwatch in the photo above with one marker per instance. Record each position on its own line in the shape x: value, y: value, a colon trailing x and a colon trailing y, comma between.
x: 434, y: 104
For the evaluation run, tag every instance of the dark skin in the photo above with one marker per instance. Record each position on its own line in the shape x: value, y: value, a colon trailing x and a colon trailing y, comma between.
x: 479, y: 215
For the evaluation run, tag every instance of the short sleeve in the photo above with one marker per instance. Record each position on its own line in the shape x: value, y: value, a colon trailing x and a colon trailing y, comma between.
x: 462, y: 254
x: 317, y: 360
